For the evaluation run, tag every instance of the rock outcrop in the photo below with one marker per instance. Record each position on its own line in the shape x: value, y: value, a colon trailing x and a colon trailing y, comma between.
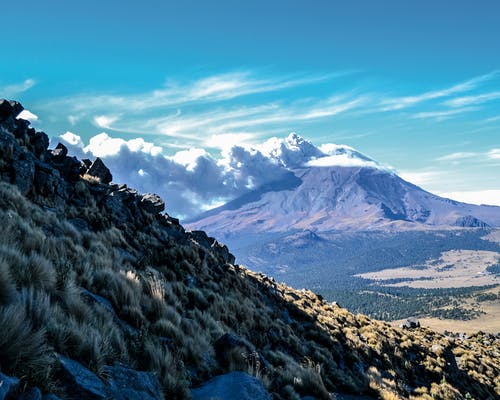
x: 470, y: 222
x: 235, y: 385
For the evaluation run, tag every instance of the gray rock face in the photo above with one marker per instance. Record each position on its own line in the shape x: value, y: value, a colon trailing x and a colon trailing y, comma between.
x: 212, y: 244
x: 122, y: 383
x: 79, y: 382
x: 128, y: 384
x: 8, y: 385
x: 152, y: 203
x: 470, y: 222
x: 99, y: 170
x: 24, y: 174
x: 235, y: 385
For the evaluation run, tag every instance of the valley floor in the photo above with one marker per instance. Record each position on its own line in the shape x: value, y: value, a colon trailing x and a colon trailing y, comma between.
x: 488, y: 322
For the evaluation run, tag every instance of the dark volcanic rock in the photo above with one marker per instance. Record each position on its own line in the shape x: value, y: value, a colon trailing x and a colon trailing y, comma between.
x: 99, y: 170
x: 122, y: 383
x: 8, y: 385
x: 79, y: 382
x: 59, y: 153
x: 17, y: 108
x: 5, y: 109
x: 40, y: 143
x: 152, y: 203
x: 210, y: 243
x: 470, y: 222
x: 128, y: 384
x: 235, y: 385
x: 24, y: 174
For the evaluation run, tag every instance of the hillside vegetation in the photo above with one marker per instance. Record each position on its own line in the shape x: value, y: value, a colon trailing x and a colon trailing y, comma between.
x: 96, y: 273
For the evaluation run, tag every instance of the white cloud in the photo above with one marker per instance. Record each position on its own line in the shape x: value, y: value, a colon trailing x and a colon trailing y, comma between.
x: 494, y: 154
x: 193, y: 180
x: 442, y: 115
x: 214, y: 88
x: 341, y: 160
x: 420, y: 177
x: 489, y: 197
x: 105, y: 121
x: 457, y: 156
x: 398, y: 103
x: 228, y: 140
x: 16, y: 89
x: 72, y: 139
x: 28, y: 115
x: 189, y: 158
x: 472, y: 100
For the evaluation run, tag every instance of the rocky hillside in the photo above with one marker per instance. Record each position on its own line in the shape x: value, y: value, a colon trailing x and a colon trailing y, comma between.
x: 104, y: 296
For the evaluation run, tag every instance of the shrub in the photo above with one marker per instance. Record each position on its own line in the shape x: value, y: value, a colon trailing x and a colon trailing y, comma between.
x: 7, y: 286
x: 23, y: 350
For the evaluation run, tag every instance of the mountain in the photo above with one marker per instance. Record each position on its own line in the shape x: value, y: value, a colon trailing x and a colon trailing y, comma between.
x: 341, y: 190
x: 337, y: 221
x: 102, y: 295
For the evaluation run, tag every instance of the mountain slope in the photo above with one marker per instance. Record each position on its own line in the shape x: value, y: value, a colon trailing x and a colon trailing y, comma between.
x: 92, y: 272
x: 341, y: 198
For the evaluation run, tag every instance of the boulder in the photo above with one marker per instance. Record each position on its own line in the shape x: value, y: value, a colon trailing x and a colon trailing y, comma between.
x: 225, y: 348
x: 79, y: 382
x: 59, y: 153
x: 30, y: 394
x: 8, y: 385
x: 100, y: 171
x: 128, y: 384
x: 234, y: 351
x: 410, y: 323
x: 17, y: 108
x: 24, y: 174
x: 71, y: 168
x: 152, y: 203
x: 40, y: 143
x: 234, y: 385
x: 5, y: 109
x: 48, y: 180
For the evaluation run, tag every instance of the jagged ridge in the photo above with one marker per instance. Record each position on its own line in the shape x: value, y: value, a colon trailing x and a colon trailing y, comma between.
x: 92, y: 271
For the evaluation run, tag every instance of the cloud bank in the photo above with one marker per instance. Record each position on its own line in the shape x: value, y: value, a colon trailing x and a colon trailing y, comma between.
x: 192, y: 181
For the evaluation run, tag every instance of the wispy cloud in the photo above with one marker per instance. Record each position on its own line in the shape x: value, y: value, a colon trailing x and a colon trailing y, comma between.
x: 398, y: 103
x: 223, y: 121
x: 445, y: 114
x: 494, y: 154
x: 421, y: 177
x: 457, y: 156
x: 15, y: 89
x: 490, y: 197
x: 214, y: 88
x: 472, y: 100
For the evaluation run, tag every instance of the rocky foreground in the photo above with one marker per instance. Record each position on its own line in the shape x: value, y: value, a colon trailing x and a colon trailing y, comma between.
x: 104, y: 296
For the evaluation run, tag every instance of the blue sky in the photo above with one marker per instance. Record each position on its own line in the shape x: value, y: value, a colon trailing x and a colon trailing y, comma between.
x: 414, y: 85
